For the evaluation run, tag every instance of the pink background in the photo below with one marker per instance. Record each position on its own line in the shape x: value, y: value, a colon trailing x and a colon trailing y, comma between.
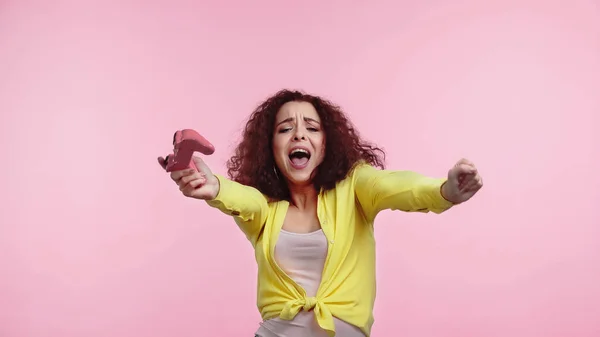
x: 96, y: 241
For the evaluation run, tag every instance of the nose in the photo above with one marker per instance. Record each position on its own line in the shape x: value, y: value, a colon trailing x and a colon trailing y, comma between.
x: 299, y: 134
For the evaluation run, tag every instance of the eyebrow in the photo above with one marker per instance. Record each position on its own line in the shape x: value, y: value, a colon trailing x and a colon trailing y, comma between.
x: 306, y: 119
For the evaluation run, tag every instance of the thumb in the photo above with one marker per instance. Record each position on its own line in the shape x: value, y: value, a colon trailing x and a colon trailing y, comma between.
x: 201, y: 165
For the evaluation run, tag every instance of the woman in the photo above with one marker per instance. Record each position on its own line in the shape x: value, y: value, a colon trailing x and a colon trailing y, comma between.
x: 305, y: 190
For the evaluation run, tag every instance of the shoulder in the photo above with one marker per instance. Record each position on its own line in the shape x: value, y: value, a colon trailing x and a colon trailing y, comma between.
x: 360, y: 170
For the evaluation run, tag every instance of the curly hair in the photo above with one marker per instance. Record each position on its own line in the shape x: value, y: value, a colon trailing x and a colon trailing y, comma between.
x: 253, y: 163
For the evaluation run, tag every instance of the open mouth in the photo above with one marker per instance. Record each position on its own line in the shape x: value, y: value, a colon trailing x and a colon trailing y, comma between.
x: 299, y: 157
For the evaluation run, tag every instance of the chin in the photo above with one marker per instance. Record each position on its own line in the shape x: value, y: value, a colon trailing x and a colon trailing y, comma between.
x: 301, y: 178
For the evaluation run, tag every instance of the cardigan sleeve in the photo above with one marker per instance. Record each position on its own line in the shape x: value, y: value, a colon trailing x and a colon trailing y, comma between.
x: 248, y: 206
x: 407, y: 191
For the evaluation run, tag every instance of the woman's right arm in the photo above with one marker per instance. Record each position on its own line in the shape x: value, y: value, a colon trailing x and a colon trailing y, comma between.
x: 245, y: 204
x: 248, y: 206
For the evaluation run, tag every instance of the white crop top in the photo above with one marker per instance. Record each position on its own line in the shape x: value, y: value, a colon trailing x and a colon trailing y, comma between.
x: 302, y: 257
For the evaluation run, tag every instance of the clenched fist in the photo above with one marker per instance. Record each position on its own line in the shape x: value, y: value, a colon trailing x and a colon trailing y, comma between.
x: 463, y: 182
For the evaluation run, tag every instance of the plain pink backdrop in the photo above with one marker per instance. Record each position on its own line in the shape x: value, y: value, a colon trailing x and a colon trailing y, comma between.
x: 91, y: 92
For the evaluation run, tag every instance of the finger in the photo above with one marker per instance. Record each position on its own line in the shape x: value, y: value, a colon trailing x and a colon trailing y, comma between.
x: 465, y: 179
x: 189, y: 188
x: 460, y: 173
x: 464, y: 169
x: 196, y: 175
x: 468, y: 186
x: 194, y: 184
x: 200, y: 164
x: 186, y: 190
x: 473, y: 185
x: 465, y: 161
x: 177, y: 175
x: 163, y: 162
x: 462, y: 180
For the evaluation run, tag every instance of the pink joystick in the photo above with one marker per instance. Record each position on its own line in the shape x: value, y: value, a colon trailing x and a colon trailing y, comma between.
x: 185, y: 143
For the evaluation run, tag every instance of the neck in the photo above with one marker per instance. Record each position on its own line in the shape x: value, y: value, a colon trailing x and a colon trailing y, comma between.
x: 303, y: 197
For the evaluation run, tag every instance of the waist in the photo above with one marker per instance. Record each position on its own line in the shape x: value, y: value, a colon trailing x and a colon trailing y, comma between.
x: 304, y: 324
x: 325, y: 313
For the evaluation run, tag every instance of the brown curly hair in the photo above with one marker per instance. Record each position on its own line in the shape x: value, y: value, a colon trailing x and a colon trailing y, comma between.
x: 253, y: 163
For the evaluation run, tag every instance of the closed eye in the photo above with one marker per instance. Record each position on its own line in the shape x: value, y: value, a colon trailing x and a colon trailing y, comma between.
x: 311, y: 129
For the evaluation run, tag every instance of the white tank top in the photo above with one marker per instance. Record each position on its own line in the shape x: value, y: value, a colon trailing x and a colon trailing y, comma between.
x: 302, y: 257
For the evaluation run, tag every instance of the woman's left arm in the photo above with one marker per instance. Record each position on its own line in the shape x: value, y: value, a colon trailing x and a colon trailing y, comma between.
x: 409, y: 191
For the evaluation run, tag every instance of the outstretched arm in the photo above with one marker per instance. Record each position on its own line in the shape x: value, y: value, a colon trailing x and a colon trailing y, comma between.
x: 245, y: 204
x: 407, y: 191
x: 248, y: 207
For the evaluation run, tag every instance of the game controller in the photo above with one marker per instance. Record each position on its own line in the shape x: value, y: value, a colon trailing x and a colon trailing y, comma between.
x: 185, y: 143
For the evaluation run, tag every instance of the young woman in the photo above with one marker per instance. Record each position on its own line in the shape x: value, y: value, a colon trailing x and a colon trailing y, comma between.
x: 305, y: 190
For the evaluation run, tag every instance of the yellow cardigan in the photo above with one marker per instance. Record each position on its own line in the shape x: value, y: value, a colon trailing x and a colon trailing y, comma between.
x: 347, y: 289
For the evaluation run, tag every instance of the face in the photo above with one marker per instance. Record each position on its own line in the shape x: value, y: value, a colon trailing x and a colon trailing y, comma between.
x: 298, y: 142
